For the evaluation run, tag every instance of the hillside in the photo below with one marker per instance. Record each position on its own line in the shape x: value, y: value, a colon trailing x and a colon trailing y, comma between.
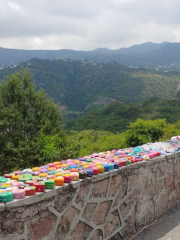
x: 76, y: 85
x: 149, y: 55
x: 115, y: 117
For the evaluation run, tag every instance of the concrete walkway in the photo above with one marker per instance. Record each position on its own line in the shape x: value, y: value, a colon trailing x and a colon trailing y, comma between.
x: 166, y: 228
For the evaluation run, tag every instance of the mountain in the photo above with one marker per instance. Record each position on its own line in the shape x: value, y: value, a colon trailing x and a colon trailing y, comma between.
x: 79, y: 85
x: 10, y: 57
x: 144, y: 47
x: 147, y: 55
x: 105, y: 50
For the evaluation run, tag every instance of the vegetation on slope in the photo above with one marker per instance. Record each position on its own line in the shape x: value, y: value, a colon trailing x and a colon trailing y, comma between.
x: 115, y: 117
x: 75, y: 85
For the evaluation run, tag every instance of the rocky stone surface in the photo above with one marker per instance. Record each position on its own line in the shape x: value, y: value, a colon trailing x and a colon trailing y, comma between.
x: 113, y: 205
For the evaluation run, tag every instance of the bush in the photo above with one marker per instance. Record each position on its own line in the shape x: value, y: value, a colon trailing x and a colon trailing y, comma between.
x: 142, y: 131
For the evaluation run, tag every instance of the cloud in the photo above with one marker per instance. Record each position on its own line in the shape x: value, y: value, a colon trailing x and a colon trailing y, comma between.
x: 87, y: 24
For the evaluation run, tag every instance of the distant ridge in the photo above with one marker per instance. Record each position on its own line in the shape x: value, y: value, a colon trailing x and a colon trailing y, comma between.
x: 144, y: 47
x: 143, y: 55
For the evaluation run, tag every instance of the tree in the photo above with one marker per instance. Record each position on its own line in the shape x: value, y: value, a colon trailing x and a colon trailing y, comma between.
x: 24, y: 114
x: 142, y: 131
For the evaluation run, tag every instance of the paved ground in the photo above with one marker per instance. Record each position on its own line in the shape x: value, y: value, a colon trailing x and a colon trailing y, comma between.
x: 166, y: 228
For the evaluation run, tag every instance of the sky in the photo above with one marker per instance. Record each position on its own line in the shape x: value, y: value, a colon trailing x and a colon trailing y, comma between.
x: 87, y: 24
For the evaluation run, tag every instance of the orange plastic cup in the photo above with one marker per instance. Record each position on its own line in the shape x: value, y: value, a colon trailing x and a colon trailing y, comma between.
x: 59, y: 181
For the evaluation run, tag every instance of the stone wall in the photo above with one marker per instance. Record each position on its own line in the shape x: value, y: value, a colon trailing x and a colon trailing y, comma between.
x: 112, y: 205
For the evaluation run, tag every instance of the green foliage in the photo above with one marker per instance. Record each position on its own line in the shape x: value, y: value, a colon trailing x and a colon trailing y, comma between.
x: 169, y: 131
x: 116, y: 116
x: 96, y: 141
x: 52, y: 146
x: 24, y: 114
x: 141, y: 131
x: 178, y: 94
x: 56, y: 147
x: 113, y: 118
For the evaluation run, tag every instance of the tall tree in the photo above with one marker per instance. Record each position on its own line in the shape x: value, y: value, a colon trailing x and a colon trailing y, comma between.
x: 24, y: 113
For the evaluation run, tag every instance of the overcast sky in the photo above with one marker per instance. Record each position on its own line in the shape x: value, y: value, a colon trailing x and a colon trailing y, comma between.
x: 87, y: 24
